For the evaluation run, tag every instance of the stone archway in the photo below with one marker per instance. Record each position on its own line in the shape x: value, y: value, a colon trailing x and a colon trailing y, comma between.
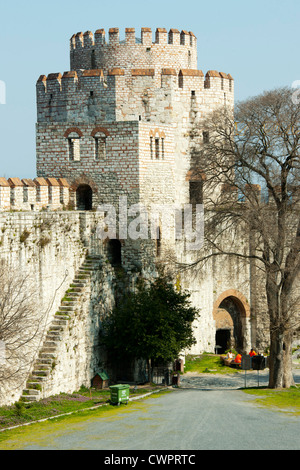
x: 231, y: 313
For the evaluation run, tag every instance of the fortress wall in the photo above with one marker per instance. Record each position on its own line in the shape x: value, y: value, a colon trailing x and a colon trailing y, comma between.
x: 44, y: 246
x: 47, y: 249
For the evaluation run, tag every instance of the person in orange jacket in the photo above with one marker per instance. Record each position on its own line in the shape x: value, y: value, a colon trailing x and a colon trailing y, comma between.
x: 238, y: 359
x: 252, y: 353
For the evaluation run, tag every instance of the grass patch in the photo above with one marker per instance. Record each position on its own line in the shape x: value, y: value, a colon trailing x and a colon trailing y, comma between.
x: 207, y: 363
x: 21, y: 413
x: 285, y: 400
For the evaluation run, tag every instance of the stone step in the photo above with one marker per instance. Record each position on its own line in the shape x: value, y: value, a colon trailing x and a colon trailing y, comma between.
x: 54, y: 334
x: 61, y: 316
x: 94, y: 258
x: 46, y: 361
x: 40, y: 373
x: 28, y: 398
x: 56, y: 328
x: 60, y: 320
x: 38, y: 365
x: 51, y: 344
x: 31, y: 392
x: 71, y: 303
x: 47, y: 355
x: 79, y: 283
x: 37, y: 378
x: 77, y: 288
x: 33, y: 386
x: 65, y: 308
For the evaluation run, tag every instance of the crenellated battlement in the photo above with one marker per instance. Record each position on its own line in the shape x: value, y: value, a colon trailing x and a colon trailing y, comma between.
x: 163, y: 49
x: 161, y: 36
x: 34, y: 194
x: 114, y: 95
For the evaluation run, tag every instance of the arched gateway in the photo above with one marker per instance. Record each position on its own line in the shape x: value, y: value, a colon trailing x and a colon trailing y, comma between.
x: 231, y: 313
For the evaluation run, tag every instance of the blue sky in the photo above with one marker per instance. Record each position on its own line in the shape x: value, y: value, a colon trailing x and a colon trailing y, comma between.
x: 257, y: 42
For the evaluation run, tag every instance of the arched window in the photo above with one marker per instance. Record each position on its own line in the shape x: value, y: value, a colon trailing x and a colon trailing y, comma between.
x: 100, y: 135
x: 73, y: 136
x: 100, y: 146
x: 157, y: 145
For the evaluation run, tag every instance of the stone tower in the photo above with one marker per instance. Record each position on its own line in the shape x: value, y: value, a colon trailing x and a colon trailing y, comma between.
x: 118, y: 125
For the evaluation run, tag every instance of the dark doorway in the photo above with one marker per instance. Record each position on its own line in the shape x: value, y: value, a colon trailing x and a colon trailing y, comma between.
x: 222, y: 340
x: 84, y: 198
x: 232, y: 307
x: 115, y: 252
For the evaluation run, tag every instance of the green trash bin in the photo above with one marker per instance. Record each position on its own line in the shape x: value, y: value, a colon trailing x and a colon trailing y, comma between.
x: 119, y: 394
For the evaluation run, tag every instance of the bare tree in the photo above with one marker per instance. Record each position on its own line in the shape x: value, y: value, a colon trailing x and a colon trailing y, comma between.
x: 20, y: 326
x: 250, y: 166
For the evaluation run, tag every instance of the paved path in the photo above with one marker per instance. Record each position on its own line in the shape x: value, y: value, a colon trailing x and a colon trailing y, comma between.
x: 230, y: 381
x: 205, y: 414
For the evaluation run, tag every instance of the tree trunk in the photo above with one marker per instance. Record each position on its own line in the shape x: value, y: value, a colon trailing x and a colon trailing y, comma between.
x: 276, y: 359
x: 281, y: 373
x: 150, y: 370
x: 288, y: 379
x: 280, y: 333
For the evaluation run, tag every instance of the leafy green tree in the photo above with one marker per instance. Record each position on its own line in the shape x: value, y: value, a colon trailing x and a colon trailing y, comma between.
x: 153, y: 323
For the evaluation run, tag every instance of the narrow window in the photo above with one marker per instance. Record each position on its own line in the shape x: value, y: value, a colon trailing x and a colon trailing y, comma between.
x: 151, y: 147
x: 180, y: 81
x: 91, y: 94
x: 157, y: 148
x: 162, y: 149
x: 230, y: 85
x: 193, y: 93
x: 25, y: 194
x: 205, y: 137
x: 207, y: 82
x: 158, y: 242
x: 61, y: 195
x: 196, y: 192
x: 38, y: 194
x: 74, y: 149
x: 50, y: 194
x: 115, y: 252
x: 93, y: 60
x: 222, y: 83
x: 100, y: 148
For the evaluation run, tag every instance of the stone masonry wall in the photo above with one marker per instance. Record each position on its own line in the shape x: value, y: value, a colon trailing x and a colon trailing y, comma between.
x: 48, y: 248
